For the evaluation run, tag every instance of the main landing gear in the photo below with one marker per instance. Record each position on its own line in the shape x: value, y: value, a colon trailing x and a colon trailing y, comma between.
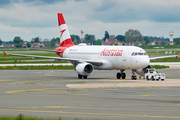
x: 80, y: 76
x: 121, y: 75
x: 133, y: 77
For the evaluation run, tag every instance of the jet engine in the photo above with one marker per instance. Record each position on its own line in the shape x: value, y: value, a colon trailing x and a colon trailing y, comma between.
x: 84, y: 69
x: 141, y: 72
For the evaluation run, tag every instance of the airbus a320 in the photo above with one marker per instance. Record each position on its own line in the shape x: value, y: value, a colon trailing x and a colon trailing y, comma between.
x: 86, y: 58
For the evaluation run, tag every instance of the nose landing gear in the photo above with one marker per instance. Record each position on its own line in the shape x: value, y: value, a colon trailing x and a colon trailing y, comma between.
x: 121, y: 74
x: 133, y: 77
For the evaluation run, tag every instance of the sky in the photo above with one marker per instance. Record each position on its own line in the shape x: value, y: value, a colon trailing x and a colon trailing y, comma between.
x: 38, y: 18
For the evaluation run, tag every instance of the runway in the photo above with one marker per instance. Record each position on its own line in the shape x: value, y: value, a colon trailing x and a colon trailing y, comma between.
x: 44, y: 93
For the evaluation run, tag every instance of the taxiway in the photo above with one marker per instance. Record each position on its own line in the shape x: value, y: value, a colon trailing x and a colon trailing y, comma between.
x: 44, y: 93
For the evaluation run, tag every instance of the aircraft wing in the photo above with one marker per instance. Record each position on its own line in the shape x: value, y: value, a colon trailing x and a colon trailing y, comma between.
x: 155, y: 58
x: 48, y: 50
x: 93, y: 62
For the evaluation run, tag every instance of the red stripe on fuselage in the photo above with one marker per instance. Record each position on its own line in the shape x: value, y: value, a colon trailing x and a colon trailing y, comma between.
x: 61, y: 19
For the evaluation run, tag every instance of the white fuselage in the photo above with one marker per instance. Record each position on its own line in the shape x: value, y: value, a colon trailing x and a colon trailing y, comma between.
x: 113, y: 57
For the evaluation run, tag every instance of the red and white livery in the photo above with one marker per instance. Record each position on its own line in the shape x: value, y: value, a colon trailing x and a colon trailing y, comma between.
x: 86, y: 58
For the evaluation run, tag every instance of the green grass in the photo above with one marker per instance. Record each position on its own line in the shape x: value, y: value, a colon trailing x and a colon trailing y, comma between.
x: 13, y: 49
x: 52, y: 67
x: 162, y: 51
x: 47, y: 67
x: 24, y: 49
x: 22, y: 117
x: 167, y: 60
x: 164, y: 46
x: 37, y: 54
x: 33, y: 62
x: 15, y: 58
x: 159, y: 66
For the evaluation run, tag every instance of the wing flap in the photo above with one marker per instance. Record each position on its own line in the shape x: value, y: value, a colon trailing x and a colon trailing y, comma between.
x: 93, y: 62
x: 48, y: 50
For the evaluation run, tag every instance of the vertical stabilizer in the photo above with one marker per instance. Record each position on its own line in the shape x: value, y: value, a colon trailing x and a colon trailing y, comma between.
x: 65, y: 39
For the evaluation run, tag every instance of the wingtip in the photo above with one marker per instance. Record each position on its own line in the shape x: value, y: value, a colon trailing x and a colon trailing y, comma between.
x: 176, y: 55
x: 4, y: 53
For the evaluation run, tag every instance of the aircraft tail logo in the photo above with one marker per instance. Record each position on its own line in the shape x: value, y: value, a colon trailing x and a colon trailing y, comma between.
x: 65, y: 39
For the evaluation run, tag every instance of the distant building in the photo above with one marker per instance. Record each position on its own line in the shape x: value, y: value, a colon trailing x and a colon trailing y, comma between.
x: 151, y: 43
x: 37, y: 45
x: 46, y: 44
x: 138, y: 44
x: 57, y: 44
x: 8, y: 45
x: 159, y: 42
x: 112, y: 42
x: 24, y: 45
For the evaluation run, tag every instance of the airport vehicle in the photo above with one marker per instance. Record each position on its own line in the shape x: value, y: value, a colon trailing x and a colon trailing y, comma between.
x: 86, y: 58
x: 153, y: 74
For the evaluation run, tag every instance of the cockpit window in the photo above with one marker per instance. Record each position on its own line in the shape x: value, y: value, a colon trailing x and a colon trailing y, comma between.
x: 145, y: 53
x: 138, y: 53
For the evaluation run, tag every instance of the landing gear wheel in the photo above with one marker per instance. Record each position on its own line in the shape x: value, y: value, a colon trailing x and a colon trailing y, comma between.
x: 147, y: 78
x: 79, y: 76
x: 152, y: 78
x: 133, y: 77
x: 118, y: 75
x: 123, y: 75
x: 162, y: 79
x: 85, y: 77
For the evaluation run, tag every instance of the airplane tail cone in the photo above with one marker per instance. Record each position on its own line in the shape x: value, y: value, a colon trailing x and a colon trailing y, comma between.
x: 65, y: 39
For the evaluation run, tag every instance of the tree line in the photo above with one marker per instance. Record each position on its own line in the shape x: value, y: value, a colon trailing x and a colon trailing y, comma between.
x: 130, y: 36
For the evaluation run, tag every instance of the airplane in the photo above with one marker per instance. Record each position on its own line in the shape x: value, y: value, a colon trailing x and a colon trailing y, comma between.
x: 86, y: 58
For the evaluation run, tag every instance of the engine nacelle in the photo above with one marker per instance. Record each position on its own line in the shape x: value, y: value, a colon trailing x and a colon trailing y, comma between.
x: 84, y: 69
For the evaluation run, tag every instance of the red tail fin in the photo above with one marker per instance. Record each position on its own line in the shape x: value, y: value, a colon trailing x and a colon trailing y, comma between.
x: 65, y: 39
x: 176, y: 55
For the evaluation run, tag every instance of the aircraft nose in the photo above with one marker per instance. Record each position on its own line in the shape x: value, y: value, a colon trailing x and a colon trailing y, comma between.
x: 145, y: 62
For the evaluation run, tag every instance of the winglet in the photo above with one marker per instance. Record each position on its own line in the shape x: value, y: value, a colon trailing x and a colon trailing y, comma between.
x: 176, y: 55
x: 4, y: 53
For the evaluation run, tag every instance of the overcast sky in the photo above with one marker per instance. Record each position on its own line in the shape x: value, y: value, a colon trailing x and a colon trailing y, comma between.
x: 38, y: 18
